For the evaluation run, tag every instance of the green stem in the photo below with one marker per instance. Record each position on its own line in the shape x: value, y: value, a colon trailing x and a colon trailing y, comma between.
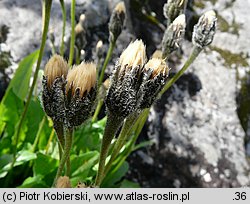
x: 196, y: 51
x: 123, y: 137
x: 77, y: 55
x: 63, y: 28
x: 106, y: 61
x: 50, y: 140
x: 112, y: 125
x: 137, y: 127
x: 46, y: 18
x: 53, y: 48
x: 38, y: 134
x: 60, y: 136
x: 68, y: 167
x: 66, y: 153
x: 97, y: 110
x: 72, y: 39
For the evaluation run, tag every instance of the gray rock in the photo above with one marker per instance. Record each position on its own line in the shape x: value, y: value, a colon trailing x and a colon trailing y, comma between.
x: 198, y: 135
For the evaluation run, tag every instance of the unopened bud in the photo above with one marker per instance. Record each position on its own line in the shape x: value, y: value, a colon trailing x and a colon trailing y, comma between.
x: 80, y: 33
x: 172, y: 9
x: 99, y: 49
x: 80, y: 93
x: 53, y: 88
x: 173, y: 35
x: 63, y: 182
x: 204, y: 30
x: 116, y: 21
x: 82, y: 19
x: 155, y: 74
x: 121, y: 98
x: 134, y: 55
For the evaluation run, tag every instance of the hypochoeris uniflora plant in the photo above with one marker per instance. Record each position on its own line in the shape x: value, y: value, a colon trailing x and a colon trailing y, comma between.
x: 68, y: 98
x: 134, y: 86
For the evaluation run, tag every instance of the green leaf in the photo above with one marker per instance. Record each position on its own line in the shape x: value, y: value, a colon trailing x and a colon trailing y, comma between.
x: 34, y: 117
x: 22, y: 157
x: 88, y: 137
x: 34, y: 182
x: 81, y: 166
x: 113, y: 178
x: 21, y: 80
x: 143, y: 144
x: 44, y: 164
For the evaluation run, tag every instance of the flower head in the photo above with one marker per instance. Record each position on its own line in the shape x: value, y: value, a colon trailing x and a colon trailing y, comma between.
x: 116, y: 21
x: 80, y: 93
x: 55, y: 67
x: 134, y: 55
x: 172, y: 9
x: 154, y: 78
x: 82, y: 77
x: 121, y: 97
x: 135, y: 85
x: 204, y: 30
x: 173, y: 35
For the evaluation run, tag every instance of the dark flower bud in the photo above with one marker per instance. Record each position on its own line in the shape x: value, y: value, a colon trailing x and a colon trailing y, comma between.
x: 116, y: 21
x: 121, y: 98
x: 80, y: 93
x: 204, y: 30
x: 172, y: 9
x: 155, y: 74
x: 53, y: 88
x: 173, y: 35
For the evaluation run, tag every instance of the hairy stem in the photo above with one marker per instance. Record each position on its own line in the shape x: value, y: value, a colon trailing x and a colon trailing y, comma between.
x: 46, y: 18
x: 66, y: 153
x: 106, y: 61
x: 72, y: 39
x: 63, y: 27
x: 50, y: 140
x: 196, y: 51
x: 38, y: 134
x: 123, y: 137
x: 60, y: 136
x: 97, y: 110
x: 111, y: 128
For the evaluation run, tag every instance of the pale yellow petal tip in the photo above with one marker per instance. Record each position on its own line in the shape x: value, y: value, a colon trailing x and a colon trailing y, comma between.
x: 158, y: 66
x: 210, y: 17
x: 99, y: 44
x: 157, y: 54
x: 55, y: 67
x: 210, y: 13
x: 120, y: 7
x: 63, y: 182
x: 134, y: 55
x: 180, y: 20
x: 82, y: 76
x: 82, y: 18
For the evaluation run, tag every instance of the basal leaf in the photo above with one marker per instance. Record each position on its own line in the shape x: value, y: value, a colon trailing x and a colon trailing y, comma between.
x: 21, y: 80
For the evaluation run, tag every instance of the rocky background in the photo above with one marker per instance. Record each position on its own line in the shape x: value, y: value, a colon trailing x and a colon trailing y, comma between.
x: 201, y: 126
